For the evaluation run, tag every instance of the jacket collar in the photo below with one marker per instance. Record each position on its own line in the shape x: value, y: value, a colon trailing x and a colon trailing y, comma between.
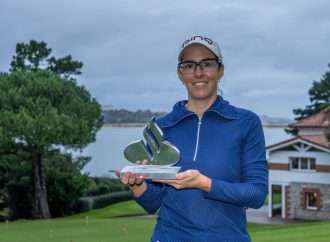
x: 220, y: 106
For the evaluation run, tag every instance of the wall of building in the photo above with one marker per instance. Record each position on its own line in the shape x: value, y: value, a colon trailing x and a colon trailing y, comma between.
x: 280, y: 169
x: 296, y: 210
x: 281, y: 156
x: 286, y: 177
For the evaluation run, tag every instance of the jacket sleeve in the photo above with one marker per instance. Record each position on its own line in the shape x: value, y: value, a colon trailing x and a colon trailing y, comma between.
x: 150, y: 200
x: 251, y: 191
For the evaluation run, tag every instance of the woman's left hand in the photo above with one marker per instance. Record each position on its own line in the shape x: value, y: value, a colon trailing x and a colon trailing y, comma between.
x: 189, y: 179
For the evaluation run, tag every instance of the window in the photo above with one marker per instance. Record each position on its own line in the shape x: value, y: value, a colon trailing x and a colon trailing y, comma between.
x: 312, y: 164
x: 311, y: 200
x: 295, y: 163
x: 302, y: 163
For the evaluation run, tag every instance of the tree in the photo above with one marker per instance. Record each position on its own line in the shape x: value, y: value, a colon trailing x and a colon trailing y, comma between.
x: 319, y: 96
x: 41, y: 109
x: 320, y: 99
x: 36, y: 55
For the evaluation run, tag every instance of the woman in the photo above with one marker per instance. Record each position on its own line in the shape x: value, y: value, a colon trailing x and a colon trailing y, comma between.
x: 223, y: 163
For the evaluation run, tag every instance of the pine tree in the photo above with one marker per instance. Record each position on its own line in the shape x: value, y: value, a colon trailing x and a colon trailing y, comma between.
x: 42, y: 108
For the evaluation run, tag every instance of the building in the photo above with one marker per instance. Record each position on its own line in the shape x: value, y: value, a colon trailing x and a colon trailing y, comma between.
x: 299, y: 171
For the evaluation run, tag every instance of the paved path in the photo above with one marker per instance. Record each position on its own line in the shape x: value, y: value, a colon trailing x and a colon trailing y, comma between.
x: 260, y: 216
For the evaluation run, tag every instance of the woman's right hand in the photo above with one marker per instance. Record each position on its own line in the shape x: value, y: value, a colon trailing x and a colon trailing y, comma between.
x: 132, y: 179
x: 135, y: 182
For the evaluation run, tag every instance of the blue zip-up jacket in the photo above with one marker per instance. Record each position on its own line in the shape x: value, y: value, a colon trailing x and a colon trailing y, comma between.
x: 226, y: 144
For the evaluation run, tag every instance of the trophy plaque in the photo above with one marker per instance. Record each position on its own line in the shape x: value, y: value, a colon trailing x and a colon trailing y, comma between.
x: 160, y: 154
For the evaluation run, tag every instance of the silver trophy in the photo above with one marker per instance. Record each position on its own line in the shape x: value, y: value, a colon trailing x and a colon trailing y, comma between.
x: 160, y: 154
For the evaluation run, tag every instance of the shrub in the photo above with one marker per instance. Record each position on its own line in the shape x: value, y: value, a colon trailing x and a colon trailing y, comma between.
x: 104, y: 185
x: 65, y: 184
x: 20, y: 197
x: 15, y: 185
x: 94, y: 202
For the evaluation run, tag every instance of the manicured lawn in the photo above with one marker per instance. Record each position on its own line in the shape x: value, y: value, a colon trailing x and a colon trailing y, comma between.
x: 102, y: 225
x: 129, y: 208
x: 77, y: 230
x: 302, y: 232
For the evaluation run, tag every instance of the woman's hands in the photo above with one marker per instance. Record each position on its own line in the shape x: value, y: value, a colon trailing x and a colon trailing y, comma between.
x: 189, y: 179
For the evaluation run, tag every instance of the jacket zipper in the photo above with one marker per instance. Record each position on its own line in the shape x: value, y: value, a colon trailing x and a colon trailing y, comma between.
x: 197, y: 139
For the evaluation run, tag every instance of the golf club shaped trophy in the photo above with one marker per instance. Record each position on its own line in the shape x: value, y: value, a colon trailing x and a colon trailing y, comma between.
x: 160, y: 154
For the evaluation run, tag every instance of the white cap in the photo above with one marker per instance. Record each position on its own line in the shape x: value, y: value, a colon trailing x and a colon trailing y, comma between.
x: 205, y: 41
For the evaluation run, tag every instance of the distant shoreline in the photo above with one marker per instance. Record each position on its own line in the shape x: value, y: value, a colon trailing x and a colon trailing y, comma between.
x: 275, y: 125
x: 124, y: 125
x: 133, y: 125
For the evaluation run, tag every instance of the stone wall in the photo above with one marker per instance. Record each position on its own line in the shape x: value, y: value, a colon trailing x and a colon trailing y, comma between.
x: 296, y: 201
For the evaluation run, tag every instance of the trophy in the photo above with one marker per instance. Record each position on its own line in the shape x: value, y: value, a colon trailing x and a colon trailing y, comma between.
x: 160, y: 154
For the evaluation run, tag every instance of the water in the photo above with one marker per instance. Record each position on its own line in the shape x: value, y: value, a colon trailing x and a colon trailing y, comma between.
x: 107, y: 151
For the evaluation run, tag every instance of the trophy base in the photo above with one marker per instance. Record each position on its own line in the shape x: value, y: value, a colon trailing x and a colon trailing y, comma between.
x: 160, y: 172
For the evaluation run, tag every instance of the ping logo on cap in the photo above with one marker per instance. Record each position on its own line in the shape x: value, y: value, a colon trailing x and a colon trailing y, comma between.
x: 197, y: 37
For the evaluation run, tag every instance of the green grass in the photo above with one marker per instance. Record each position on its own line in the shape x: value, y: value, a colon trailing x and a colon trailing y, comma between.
x: 78, y: 230
x: 129, y: 208
x: 104, y: 225
x: 301, y: 232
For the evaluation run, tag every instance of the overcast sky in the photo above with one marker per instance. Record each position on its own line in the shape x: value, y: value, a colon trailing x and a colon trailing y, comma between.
x: 273, y: 50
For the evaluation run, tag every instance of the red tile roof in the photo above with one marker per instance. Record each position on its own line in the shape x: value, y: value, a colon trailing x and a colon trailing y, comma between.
x: 318, y: 120
x: 317, y: 139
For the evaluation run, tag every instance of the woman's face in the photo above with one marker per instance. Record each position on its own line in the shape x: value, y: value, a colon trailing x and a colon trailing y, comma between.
x: 200, y: 84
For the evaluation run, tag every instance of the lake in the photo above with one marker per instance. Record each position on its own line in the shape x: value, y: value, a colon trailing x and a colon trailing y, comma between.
x: 107, y: 151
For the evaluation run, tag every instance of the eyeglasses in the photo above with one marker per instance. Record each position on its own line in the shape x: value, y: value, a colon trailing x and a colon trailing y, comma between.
x: 206, y: 65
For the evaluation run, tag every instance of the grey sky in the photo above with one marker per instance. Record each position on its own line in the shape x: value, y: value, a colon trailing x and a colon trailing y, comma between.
x: 273, y: 50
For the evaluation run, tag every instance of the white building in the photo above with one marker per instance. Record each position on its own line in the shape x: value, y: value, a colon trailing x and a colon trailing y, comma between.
x: 299, y: 171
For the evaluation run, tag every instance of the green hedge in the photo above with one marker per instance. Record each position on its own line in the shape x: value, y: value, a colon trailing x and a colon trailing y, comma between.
x: 94, y: 202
